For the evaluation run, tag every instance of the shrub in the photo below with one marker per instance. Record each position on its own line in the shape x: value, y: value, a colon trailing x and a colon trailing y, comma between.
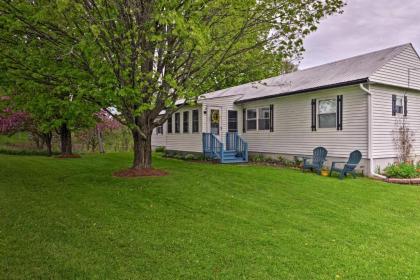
x: 257, y: 158
x: 298, y: 161
x: 160, y: 149
x: 401, y: 170
x: 285, y: 161
x: 189, y: 157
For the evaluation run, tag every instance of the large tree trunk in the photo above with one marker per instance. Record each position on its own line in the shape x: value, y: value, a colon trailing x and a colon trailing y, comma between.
x: 142, y: 150
x: 65, y: 137
x: 48, y: 142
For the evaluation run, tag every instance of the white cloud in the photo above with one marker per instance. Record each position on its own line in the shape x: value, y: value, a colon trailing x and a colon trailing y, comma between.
x: 365, y: 25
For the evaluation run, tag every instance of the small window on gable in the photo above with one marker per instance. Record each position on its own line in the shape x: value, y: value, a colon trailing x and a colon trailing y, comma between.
x: 251, y: 119
x: 264, y: 118
x: 327, y: 116
x: 399, y: 105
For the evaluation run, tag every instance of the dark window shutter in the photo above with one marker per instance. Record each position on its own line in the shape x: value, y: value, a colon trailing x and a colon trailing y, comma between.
x: 339, y: 112
x: 271, y: 117
x: 313, y: 114
x: 405, y: 106
x: 244, y: 120
x: 394, y: 104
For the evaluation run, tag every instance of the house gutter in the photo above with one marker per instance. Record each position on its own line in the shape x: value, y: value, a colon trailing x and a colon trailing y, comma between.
x: 370, y: 118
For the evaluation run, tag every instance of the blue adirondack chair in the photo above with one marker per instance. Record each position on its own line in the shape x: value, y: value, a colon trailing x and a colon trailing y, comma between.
x: 318, y: 159
x: 349, y: 166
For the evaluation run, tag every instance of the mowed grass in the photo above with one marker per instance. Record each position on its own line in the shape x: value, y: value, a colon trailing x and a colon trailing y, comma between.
x: 70, y: 219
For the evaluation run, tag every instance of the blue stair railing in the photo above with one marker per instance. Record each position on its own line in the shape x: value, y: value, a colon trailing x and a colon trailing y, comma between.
x: 212, y: 147
x: 234, y: 142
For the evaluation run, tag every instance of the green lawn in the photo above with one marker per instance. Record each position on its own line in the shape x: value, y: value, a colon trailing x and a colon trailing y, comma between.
x: 71, y: 219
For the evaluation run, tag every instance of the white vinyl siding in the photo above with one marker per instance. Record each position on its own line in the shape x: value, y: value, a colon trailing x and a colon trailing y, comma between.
x: 384, y: 124
x: 395, y: 72
x: 292, y: 125
x: 190, y: 142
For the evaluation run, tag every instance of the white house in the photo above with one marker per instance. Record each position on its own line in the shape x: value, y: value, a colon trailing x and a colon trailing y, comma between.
x: 351, y: 104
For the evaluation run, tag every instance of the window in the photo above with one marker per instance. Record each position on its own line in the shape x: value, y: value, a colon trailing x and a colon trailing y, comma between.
x: 170, y: 124
x: 264, y: 118
x: 251, y: 119
x: 159, y: 130
x: 186, y: 122
x: 195, y: 121
x: 177, y: 122
x: 399, y: 105
x: 327, y: 117
x: 232, y: 121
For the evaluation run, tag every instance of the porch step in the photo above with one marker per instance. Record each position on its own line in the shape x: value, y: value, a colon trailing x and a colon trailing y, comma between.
x: 236, y: 152
x: 233, y: 160
x: 229, y: 153
x: 230, y: 157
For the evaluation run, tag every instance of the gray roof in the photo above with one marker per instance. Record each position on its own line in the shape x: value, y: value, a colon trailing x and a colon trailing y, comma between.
x: 343, y: 72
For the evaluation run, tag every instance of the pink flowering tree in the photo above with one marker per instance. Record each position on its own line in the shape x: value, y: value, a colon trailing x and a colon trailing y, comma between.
x: 12, y: 122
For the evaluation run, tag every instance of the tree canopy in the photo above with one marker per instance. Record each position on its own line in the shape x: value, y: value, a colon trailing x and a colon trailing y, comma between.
x: 141, y: 56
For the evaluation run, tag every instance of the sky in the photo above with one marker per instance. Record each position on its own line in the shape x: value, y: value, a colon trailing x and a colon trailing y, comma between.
x: 365, y: 25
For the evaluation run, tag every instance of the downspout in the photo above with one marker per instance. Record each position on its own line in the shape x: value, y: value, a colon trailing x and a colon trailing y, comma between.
x: 370, y: 118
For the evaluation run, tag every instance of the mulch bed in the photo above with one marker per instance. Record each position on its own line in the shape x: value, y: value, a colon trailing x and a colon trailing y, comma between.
x: 69, y: 156
x: 139, y: 172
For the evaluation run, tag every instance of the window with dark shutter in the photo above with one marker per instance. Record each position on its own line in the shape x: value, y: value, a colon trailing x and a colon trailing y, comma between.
x: 170, y: 124
x: 405, y: 106
x: 339, y: 112
x: 327, y: 113
x: 177, y: 123
x: 397, y: 105
x: 313, y: 114
x: 394, y: 101
x: 271, y: 118
x: 195, y: 120
x: 186, y: 122
x: 244, y: 120
x: 264, y: 118
x: 232, y: 121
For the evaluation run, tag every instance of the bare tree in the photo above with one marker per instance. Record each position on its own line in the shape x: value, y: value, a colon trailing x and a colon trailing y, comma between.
x: 404, y: 138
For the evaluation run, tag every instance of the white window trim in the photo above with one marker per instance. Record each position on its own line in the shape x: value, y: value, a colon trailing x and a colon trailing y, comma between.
x: 257, y: 119
x: 402, y: 105
x: 318, y: 113
x: 189, y: 122
x: 180, y: 123
x: 192, y: 121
